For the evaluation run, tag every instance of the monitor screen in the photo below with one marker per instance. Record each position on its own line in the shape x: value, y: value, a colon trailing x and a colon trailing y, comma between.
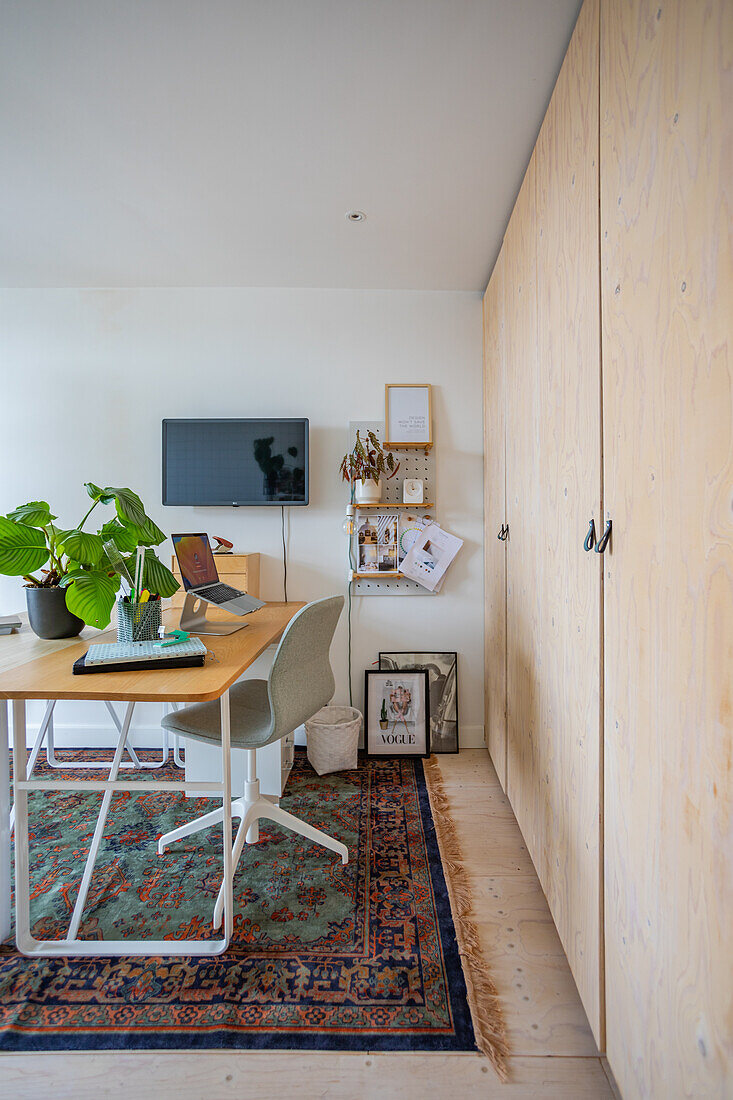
x: 235, y: 462
x: 195, y: 560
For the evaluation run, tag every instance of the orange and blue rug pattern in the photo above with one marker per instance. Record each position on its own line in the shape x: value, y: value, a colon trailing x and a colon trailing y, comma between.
x: 362, y: 957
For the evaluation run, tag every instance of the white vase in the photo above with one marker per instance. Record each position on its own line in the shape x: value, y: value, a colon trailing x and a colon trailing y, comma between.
x: 367, y: 492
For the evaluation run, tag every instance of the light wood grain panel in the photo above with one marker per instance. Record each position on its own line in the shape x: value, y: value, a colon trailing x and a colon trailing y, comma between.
x: 565, y: 842
x: 49, y: 675
x: 486, y: 847
x: 667, y: 297
x: 494, y: 518
x: 611, y: 1079
x: 523, y: 472
x: 17, y: 649
x: 501, y: 898
x: 468, y: 769
x: 543, y: 1011
x: 302, y: 1075
x: 540, y: 1000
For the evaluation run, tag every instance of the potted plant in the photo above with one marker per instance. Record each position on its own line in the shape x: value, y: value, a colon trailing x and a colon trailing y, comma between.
x: 383, y: 715
x: 78, y: 584
x: 365, y: 466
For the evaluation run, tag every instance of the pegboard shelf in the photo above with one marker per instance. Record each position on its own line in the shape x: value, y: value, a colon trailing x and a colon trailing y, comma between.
x: 387, y: 505
x: 426, y: 447
x: 413, y: 464
x: 376, y: 575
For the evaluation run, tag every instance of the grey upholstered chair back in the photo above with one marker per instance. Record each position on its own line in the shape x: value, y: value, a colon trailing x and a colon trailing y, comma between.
x: 301, y: 680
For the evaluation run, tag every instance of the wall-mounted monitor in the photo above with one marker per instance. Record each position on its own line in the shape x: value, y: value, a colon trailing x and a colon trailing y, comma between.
x: 235, y: 462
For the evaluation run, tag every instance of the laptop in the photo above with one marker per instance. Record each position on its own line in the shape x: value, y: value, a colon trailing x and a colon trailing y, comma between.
x: 200, y: 578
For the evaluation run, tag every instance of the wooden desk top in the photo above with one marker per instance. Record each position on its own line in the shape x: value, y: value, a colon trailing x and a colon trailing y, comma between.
x: 32, y: 668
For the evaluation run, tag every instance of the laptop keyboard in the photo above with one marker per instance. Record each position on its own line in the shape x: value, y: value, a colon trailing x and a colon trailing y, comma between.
x: 220, y: 593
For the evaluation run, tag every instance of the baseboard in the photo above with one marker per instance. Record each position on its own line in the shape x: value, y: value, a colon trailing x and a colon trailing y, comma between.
x: 74, y: 735
x: 471, y: 737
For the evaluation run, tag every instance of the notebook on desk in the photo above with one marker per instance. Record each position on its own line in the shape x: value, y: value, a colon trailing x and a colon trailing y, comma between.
x: 139, y: 656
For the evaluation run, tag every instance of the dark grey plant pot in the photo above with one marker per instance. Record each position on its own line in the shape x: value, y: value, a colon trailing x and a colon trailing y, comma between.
x: 48, y: 614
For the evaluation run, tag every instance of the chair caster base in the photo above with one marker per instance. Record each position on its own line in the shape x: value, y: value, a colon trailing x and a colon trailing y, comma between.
x: 250, y: 814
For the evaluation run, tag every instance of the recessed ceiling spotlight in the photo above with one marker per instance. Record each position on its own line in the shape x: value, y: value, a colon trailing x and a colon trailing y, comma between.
x: 355, y: 216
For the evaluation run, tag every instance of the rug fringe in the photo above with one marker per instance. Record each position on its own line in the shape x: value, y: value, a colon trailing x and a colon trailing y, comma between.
x: 483, y: 998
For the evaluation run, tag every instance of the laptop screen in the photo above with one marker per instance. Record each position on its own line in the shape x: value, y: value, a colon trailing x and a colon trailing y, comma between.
x: 195, y: 560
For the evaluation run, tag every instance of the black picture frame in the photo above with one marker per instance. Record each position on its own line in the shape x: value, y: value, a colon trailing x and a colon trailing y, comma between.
x: 442, y: 667
x: 372, y: 735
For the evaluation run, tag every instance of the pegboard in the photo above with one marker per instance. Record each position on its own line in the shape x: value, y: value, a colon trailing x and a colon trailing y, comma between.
x: 414, y: 463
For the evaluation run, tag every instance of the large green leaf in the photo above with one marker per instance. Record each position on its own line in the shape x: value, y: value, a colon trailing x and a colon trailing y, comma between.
x: 156, y: 577
x: 22, y: 548
x: 150, y: 534
x: 90, y: 594
x: 72, y: 568
x: 106, y: 496
x: 131, y: 513
x: 36, y: 513
x: 124, y: 538
x: 82, y: 546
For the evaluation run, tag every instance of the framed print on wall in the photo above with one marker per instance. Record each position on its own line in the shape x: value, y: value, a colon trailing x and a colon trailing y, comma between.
x: 408, y: 415
x: 442, y: 669
x: 397, y: 713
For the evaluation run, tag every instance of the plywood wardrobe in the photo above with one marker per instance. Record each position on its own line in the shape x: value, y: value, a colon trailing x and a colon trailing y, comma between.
x: 609, y: 396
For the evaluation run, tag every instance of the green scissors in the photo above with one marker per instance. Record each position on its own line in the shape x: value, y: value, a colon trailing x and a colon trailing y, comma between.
x: 174, y: 638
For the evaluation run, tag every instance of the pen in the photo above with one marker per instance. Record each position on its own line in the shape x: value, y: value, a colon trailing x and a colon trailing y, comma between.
x: 139, y: 567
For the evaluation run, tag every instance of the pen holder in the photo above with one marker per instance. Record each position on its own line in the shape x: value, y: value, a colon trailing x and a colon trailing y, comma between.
x: 138, y: 622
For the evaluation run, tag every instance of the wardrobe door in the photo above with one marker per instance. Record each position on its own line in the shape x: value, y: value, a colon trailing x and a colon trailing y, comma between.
x: 523, y: 511
x: 567, y: 845
x: 553, y: 488
x: 494, y: 522
x: 667, y: 297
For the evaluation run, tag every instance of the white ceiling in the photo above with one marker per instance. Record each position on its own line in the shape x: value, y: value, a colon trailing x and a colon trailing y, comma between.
x: 221, y: 142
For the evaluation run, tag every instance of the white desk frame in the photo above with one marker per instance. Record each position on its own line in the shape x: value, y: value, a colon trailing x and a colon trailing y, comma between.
x: 22, y: 784
x: 4, y: 824
x: 45, y: 732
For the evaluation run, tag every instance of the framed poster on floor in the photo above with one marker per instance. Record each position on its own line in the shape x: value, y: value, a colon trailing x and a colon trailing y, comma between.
x: 397, y: 713
x: 442, y: 669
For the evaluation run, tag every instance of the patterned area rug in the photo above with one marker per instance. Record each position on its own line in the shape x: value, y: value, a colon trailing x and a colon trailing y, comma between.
x: 362, y: 957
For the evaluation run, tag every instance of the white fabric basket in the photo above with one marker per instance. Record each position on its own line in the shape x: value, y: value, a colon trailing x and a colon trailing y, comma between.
x: 333, y: 739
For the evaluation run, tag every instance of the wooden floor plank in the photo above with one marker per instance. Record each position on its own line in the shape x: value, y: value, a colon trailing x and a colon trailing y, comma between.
x: 489, y: 849
x: 616, y: 1092
x: 472, y: 767
x: 485, y: 820
x: 498, y: 896
x: 542, y: 1008
x: 300, y: 1076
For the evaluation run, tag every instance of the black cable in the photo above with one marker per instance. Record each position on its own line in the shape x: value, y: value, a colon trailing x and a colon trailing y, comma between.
x: 285, y: 556
x: 352, y: 566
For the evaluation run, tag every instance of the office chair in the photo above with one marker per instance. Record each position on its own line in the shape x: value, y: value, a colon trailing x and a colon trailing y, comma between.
x: 262, y: 711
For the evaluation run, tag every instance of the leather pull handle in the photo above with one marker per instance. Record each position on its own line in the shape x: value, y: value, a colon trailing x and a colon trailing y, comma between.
x: 603, y: 540
x: 590, y: 538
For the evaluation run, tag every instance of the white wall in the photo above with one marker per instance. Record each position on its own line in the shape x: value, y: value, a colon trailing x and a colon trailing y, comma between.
x: 87, y: 376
